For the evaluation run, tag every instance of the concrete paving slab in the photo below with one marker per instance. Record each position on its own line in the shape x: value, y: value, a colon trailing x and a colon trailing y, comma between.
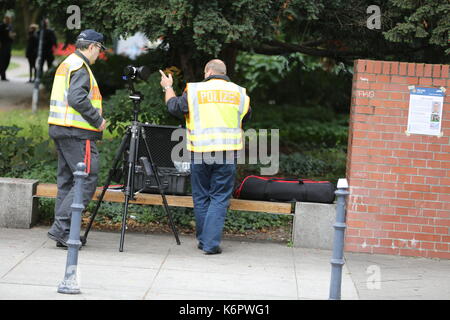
x: 394, y: 277
x: 153, y: 267
x: 268, y: 286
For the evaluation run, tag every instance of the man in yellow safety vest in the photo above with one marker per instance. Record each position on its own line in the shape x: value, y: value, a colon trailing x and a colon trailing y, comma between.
x: 75, y: 123
x: 214, y: 111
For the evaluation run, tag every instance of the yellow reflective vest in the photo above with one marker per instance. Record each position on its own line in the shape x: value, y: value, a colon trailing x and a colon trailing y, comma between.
x: 216, y: 110
x: 61, y: 113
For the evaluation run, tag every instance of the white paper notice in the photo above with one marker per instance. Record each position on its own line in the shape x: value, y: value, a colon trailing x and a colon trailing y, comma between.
x: 425, y: 111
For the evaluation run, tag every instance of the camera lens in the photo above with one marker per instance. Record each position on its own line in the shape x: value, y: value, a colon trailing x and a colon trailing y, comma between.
x: 132, y: 72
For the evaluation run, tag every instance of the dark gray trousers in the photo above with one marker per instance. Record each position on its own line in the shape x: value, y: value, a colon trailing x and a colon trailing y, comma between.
x: 70, y: 152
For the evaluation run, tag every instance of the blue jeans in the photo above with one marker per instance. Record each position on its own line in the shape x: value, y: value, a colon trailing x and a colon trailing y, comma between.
x: 212, y: 186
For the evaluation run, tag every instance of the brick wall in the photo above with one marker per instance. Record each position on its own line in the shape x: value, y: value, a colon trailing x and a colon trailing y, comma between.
x: 400, y: 185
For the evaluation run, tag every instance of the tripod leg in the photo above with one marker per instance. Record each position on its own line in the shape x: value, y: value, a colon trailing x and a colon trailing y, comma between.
x: 116, y: 160
x: 128, y: 195
x: 129, y: 188
x: 161, y: 191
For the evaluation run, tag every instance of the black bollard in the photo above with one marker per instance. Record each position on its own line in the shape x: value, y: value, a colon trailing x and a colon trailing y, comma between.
x: 70, y: 283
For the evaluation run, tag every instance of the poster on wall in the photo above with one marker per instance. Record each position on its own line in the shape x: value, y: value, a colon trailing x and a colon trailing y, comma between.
x: 425, y: 111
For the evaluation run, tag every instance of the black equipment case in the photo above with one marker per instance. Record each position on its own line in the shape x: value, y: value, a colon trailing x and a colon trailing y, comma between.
x: 281, y: 189
x: 173, y: 181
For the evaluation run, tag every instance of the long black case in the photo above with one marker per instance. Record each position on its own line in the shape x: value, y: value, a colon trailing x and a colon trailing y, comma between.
x: 281, y: 189
x: 160, y: 145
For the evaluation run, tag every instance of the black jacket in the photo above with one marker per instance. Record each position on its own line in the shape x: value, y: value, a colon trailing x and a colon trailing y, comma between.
x: 78, y: 99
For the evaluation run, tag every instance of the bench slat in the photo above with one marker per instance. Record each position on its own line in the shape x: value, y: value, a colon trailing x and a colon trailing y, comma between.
x: 49, y: 191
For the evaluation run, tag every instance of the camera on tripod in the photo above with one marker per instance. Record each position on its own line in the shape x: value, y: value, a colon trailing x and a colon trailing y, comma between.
x: 140, y: 171
x: 132, y: 72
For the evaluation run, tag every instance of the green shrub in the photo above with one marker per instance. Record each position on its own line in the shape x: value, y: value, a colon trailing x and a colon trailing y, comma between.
x: 324, y: 164
x: 20, y: 153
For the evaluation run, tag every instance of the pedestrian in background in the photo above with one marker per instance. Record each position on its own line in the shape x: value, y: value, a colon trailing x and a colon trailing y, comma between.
x: 32, y: 50
x: 6, y: 39
x: 49, y: 43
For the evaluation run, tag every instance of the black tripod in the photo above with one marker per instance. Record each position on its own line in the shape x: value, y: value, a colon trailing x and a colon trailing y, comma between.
x: 131, y: 139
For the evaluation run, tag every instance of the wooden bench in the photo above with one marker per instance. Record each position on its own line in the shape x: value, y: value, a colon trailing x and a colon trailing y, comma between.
x: 50, y: 190
x: 312, y: 222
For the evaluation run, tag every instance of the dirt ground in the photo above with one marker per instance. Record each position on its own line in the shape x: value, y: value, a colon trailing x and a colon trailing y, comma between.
x: 275, y: 234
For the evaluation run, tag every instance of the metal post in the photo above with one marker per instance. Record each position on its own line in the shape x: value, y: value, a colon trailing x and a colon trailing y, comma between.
x: 70, y: 283
x: 337, y: 260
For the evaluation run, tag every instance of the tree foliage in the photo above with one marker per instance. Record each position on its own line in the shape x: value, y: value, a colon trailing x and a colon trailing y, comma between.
x: 197, y: 30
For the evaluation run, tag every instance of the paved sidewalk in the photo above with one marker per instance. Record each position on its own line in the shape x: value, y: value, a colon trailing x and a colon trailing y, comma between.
x: 17, y: 92
x: 153, y: 267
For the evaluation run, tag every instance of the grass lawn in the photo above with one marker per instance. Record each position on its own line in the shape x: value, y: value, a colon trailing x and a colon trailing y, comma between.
x: 33, y: 123
x: 12, y: 66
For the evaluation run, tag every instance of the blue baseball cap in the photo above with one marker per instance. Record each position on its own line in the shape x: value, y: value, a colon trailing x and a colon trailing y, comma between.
x: 93, y: 36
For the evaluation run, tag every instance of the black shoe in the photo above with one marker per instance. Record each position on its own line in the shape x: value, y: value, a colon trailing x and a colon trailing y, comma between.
x: 5, y: 79
x: 200, y: 246
x: 217, y: 250
x: 57, y: 239
x: 61, y: 245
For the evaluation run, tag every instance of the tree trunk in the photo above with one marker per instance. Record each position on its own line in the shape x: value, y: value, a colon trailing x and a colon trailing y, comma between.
x: 228, y: 55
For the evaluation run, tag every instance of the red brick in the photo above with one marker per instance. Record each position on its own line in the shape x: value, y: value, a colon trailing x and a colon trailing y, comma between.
x: 427, y: 245
x: 419, y: 69
x: 377, y: 67
x: 370, y: 66
x: 426, y: 237
x: 383, y: 78
x: 436, y: 71
x: 419, y: 163
x: 442, y: 246
x: 403, y: 68
x: 395, y: 87
x: 413, y: 228
x: 411, y: 69
x: 431, y: 180
x: 439, y: 82
x: 416, y: 195
x: 412, y: 81
x: 442, y: 222
x: 414, y: 220
x: 445, y: 71
x: 442, y: 230
x: 356, y: 224
x: 360, y: 65
x: 398, y: 79
x: 427, y: 70
x: 418, y: 180
x: 411, y: 252
x: 429, y: 213
x: 425, y: 81
x: 442, y: 156
x: 381, y: 95
x: 427, y: 229
x: 394, y: 67
x: 389, y: 218
x: 431, y: 172
x: 376, y: 86
x: 438, y: 254
x: 386, y: 67
x: 385, y: 250
x: 404, y: 170
x: 444, y: 198
x: 434, y: 148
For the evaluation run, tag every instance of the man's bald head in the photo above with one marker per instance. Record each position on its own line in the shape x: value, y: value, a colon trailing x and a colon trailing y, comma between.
x: 215, y: 67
